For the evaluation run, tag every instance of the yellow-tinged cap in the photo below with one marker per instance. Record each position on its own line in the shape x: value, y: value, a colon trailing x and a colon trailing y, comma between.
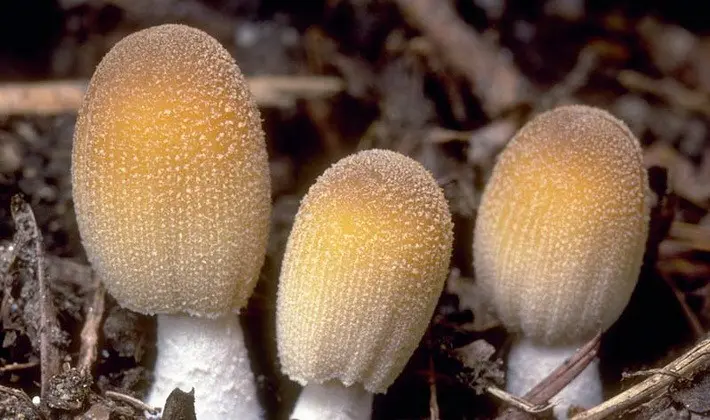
x: 562, y: 226
x: 170, y: 175
x: 364, y: 266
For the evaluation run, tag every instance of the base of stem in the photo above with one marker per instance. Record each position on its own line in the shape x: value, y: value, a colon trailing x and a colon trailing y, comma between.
x: 333, y: 400
x: 208, y: 355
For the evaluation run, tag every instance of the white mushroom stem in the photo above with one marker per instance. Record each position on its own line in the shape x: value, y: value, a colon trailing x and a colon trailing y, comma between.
x: 333, y: 400
x: 529, y: 363
x: 208, y: 355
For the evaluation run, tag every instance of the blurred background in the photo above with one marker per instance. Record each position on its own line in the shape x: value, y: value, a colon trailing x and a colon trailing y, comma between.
x: 446, y: 82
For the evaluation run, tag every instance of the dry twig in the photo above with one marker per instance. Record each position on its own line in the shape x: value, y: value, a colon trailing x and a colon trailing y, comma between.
x: 27, y: 229
x: 44, y: 98
x: 692, y: 362
x: 693, y: 321
x: 47, y: 98
x: 441, y: 135
x: 519, y: 403
x: 60, y: 269
x: 563, y: 375
x: 587, y: 61
x: 556, y: 380
x: 90, y: 331
x: 132, y: 401
x: 685, y: 181
x: 495, y: 80
x: 283, y: 91
x: 698, y: 237
x: 18, y: 366
x: 669, y: 90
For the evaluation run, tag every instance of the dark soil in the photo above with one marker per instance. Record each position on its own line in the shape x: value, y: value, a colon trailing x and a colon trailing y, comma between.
x: 407, y: 88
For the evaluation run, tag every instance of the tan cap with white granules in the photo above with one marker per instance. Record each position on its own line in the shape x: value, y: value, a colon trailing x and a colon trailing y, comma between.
x: 562, y: 225
x: 170, y: 175
x: 364, y: 266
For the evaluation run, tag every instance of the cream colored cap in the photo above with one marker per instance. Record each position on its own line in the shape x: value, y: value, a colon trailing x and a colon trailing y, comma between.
x: 170, y: 175
x: 364, y: 266
x: 562, y: 225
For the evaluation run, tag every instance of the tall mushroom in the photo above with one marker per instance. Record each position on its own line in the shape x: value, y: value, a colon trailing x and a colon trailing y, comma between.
x: 171, y: 189
x: 364, y: 266
x: 559, y: 240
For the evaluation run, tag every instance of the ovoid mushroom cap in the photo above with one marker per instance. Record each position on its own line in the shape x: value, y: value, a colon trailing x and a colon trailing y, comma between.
x: 170, y: 175
x: 562, y: 225
x: 364, y: 266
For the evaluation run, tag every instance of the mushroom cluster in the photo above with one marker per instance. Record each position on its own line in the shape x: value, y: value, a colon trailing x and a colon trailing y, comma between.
x: 171, y: 188
x: 172, y: 193
x: 559, y: 240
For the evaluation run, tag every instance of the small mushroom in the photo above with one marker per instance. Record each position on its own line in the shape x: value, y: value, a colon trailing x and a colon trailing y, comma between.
x: 559, y: 240
x: 171, y: 189
x: 364, y: 266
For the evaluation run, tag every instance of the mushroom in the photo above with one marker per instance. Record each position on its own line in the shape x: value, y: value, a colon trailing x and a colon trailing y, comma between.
x: 364, y: 266
x: 559, y: 240
x: 172, y: 194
